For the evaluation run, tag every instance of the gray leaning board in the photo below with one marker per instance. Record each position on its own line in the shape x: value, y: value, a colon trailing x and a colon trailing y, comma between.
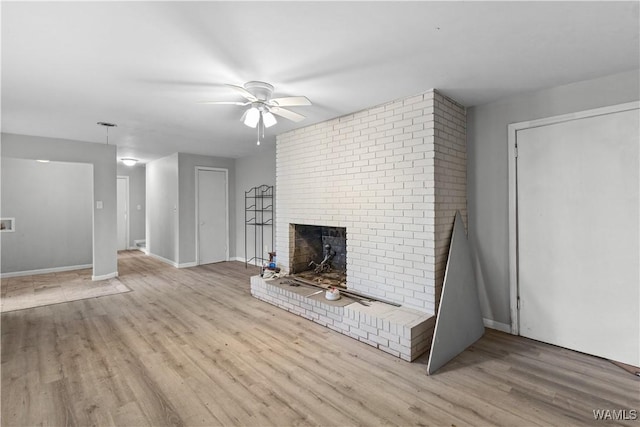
x: 459, y: 323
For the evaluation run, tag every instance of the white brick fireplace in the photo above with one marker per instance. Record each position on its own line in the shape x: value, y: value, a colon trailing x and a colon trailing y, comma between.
x: 393, y: 176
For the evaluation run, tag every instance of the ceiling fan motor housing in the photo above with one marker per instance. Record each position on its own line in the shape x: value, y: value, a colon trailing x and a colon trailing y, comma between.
x: 260, y: 90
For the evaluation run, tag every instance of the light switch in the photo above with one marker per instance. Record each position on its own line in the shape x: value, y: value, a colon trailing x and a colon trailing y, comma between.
x: 99, y: 204
x: 139, y: 207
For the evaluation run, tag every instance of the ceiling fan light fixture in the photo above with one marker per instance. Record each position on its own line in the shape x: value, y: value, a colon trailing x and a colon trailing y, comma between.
x: 129, y: 161
x: 268, y: 119
x: 262, y: 107
x: 252, y: 117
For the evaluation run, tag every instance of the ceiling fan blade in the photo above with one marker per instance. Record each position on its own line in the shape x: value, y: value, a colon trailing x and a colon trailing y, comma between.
x: 244, y: 92
x: 224, y: 102
x: 287, y: 114
x: 290, y: 101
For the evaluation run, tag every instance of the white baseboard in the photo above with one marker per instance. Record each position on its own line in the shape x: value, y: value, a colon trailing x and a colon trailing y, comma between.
x: 166, y: 261
x: 187, y: 264
x: 175, y: 264
x: 45, y: 271
x: 172, y: 263
x: 105, y: 276
x: 241, y: 259
x: 503, y: 327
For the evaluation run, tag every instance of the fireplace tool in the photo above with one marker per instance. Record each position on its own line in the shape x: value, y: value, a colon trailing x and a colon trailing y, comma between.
x: 325, y: 265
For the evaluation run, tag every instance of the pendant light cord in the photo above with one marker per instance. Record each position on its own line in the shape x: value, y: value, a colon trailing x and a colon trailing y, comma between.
x: 107, y: 125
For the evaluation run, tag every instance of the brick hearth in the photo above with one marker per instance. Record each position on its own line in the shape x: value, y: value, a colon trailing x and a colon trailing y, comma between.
x: 400, y: 331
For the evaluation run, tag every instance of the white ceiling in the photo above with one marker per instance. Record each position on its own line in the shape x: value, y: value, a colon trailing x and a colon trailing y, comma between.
x: 145, y: 65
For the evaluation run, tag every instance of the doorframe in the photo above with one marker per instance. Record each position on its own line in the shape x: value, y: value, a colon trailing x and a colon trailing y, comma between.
x: 127, y: 231
x: 513, y: 130
x: 197, y: 230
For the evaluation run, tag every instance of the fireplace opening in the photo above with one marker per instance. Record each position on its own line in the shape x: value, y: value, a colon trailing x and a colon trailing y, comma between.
x: 318, y: 253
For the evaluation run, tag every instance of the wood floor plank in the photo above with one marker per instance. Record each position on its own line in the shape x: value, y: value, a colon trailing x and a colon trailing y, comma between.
x: 192, y: 347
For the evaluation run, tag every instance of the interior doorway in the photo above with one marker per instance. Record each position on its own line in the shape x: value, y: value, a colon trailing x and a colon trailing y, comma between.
x: 577, y: 231
x: 122, y: 210
x: 212, y: 215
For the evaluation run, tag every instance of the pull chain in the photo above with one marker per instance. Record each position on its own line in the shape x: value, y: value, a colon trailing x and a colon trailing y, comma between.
x: 258, y: 127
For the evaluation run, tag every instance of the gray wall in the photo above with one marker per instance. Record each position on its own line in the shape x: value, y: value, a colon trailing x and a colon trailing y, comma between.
x: 137, y: 191
x: 187, y: 204
x: 103, y: 159
x: 162, y: 207
x: 487, y: 174
x: 52, y: 206
x: 252, y: 171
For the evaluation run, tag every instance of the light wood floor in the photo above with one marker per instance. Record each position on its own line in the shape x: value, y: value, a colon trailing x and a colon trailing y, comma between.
x: 192, y: 347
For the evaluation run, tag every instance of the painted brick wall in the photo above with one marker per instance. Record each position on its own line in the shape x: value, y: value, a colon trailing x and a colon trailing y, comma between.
x: 450, y: 142
x: 373, y: 172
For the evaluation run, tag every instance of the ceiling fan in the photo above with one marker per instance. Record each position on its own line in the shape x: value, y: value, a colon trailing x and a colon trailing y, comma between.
x: 263, y: 108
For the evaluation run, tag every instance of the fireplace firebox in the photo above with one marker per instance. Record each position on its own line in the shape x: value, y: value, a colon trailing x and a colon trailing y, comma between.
x: 318, y: 253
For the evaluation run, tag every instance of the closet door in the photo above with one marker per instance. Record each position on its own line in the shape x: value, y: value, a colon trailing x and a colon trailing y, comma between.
x: 212, y: 231
x: 577, y: 204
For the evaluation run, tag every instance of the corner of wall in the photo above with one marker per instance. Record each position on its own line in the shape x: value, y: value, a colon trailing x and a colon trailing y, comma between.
x: 450, y: 175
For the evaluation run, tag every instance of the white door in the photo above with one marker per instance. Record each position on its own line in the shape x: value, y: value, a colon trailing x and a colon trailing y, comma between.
x: 122, y: 190
x: 212, y: 215
x: 577, y: 204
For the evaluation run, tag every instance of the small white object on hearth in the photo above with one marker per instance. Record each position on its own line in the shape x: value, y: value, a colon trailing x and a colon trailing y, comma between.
x: 332, y: 294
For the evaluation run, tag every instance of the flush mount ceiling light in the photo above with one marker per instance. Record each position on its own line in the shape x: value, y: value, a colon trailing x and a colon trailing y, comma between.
x: 128, y: 161
x: 42, y: 161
